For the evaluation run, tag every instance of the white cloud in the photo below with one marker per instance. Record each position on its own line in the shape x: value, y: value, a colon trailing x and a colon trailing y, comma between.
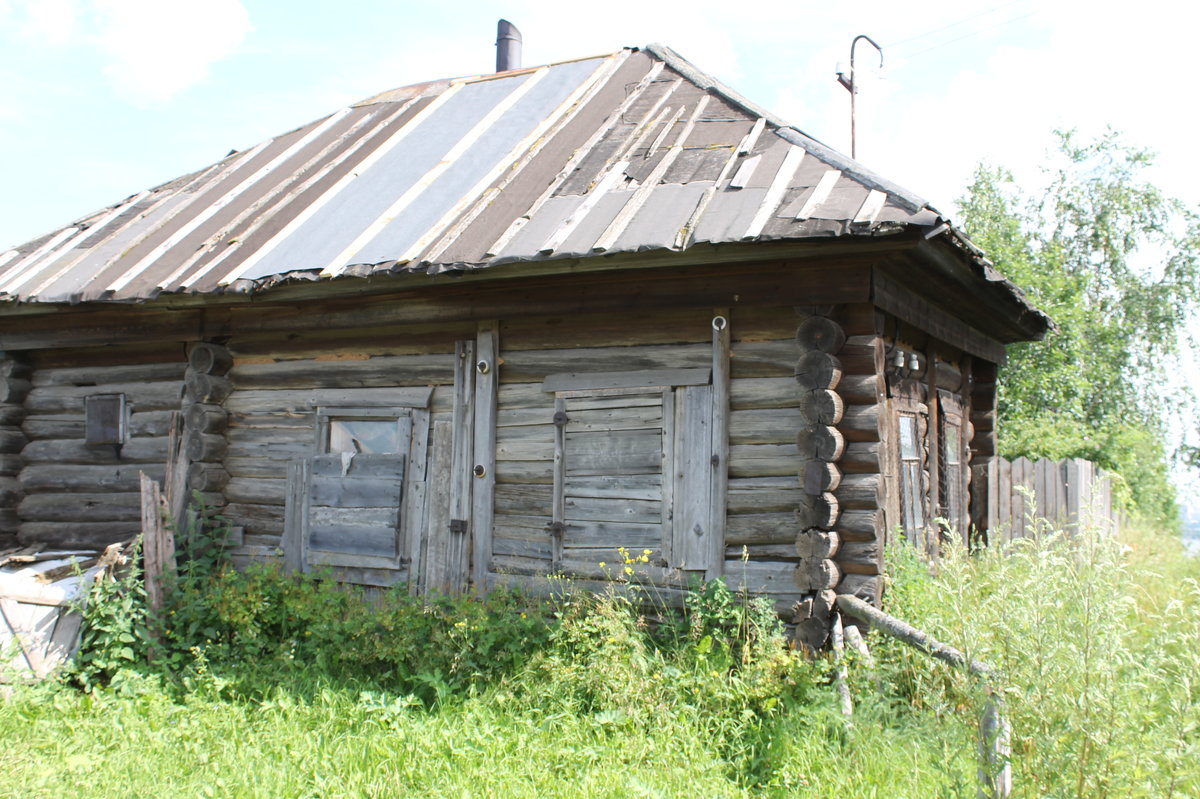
x: 53, y: 22
x: 156, y: 48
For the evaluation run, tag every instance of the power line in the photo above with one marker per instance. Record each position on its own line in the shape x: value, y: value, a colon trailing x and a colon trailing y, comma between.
x: 972, y: 33
x: 955, y: 24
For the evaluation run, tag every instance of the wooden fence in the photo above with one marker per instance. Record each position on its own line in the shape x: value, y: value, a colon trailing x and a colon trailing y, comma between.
x: 1021, y: 493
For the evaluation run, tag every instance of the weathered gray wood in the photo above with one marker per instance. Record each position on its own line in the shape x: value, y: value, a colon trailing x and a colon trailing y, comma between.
x: 353, y: 542
x: 356, y: 492
x: 763, y: 577
x: 818, y: 370
x: 158, y: 543
x: 610, y: 536
x: 819, y: 511
x: 206, y: 389
x: 762, y: 460
x: 821, y: 334
x: 43, y: 477
x: 814, y: 545
x: 765, y: 426
x: 854, y: 606
x: 764, y: 494
x: 483, y: 499
x: 862, y: 457
x: 840, y: 679
x: 83, y: 507
x: 141, y: 425
x: 379, y: 371
x: 865, y: 587
x: 860, y: 423
x: 14, y: 389
x: 136, y: 450
x: 820, y: 442
x: 85, y: 535
x: 292, y: 401
x: 11, y: 465
x: 817, y: 476
x: 256, y: 491
x: 535, y: 365
x: 861, y: 557
x: 614, y: 452
x: 820, y: 407
x: 752, y: 359
x: 816, y: 575
x: 207, y: 476
x: 12, y: 440
x: 440, y: 575
x: 111, y: 373
x: 860, y: 491
x: 761, y: 528
x: 209, y: 359
x: 70, y: 398
x: 645, y: 378
x: 752, y: 393
x: 691, y: 535
x: 205, y: 447
x: 206, y: 418
x: 860, y: 389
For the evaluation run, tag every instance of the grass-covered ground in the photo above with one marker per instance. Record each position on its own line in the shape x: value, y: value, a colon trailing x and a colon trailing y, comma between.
x: 265, y: 686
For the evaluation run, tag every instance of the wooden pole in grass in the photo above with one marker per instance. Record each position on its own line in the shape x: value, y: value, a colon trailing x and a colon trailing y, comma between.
x: 995, y: 770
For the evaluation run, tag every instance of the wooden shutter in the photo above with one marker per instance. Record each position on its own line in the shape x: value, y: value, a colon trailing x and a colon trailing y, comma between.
x: 610, y: 480
x: 691, y: 527
x: 352, y: 511
x: 634, y: 470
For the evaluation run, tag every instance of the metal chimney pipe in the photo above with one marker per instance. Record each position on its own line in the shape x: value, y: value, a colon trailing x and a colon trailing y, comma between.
x: 508, y: 46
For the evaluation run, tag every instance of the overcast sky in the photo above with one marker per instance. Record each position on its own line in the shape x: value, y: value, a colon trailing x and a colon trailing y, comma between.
x: 102, y: 98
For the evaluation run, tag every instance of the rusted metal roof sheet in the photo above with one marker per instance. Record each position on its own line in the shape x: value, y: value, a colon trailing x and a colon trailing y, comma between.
x: 627, y: 152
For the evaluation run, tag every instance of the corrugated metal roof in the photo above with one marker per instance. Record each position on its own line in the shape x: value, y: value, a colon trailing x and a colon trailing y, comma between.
x: 627, y: 152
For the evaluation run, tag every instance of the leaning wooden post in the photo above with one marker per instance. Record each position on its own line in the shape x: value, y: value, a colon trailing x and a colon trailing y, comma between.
x: 158, y: 543
x: 995, y: 770
x: 839, y: 675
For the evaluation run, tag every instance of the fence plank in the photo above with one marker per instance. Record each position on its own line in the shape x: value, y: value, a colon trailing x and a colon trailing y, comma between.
x: 1070, y: 494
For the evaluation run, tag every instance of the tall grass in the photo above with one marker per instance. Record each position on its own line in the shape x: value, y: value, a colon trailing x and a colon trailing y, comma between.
x: 1098, y: 643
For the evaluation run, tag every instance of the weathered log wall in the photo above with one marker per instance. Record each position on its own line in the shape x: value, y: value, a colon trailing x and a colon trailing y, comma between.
x: 763, y: 459
x: 76, y: 494
x: 275, y: 385
x: 14, y: 386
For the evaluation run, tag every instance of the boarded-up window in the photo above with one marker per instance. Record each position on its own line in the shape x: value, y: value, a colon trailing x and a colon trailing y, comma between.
x: 634, y: 470
x: 345, y: 502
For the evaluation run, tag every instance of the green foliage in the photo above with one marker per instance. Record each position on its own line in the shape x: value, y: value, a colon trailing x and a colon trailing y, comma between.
x: 1117, y: 266
x: 114, y: 636
x: 1098, y: 683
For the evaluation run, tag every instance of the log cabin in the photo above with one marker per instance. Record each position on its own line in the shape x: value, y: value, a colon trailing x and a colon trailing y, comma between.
x: 490, y: 330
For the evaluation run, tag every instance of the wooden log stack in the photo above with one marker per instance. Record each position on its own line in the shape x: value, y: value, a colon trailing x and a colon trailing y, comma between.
x: 205, y: 418
x: 14, y: 386
x: 839, y: 375
x: 818, y: 374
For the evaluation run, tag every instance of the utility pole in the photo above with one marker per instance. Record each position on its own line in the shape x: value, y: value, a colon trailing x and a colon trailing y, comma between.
x: 852, y: 87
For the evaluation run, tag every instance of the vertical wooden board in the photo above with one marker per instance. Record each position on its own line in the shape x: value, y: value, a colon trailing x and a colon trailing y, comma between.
x: 668, y: 475
x: 413, y: 505
x: 437, y: 573
x: 693, y: 465
x: 1004, y: 498
x: 558, y: 504
x: 483, y: 492
x: 719, y: 472
x: 464, y: 430
x: 295, y: 520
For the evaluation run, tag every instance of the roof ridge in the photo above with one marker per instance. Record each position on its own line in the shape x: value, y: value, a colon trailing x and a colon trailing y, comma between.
x: 790, y: 133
